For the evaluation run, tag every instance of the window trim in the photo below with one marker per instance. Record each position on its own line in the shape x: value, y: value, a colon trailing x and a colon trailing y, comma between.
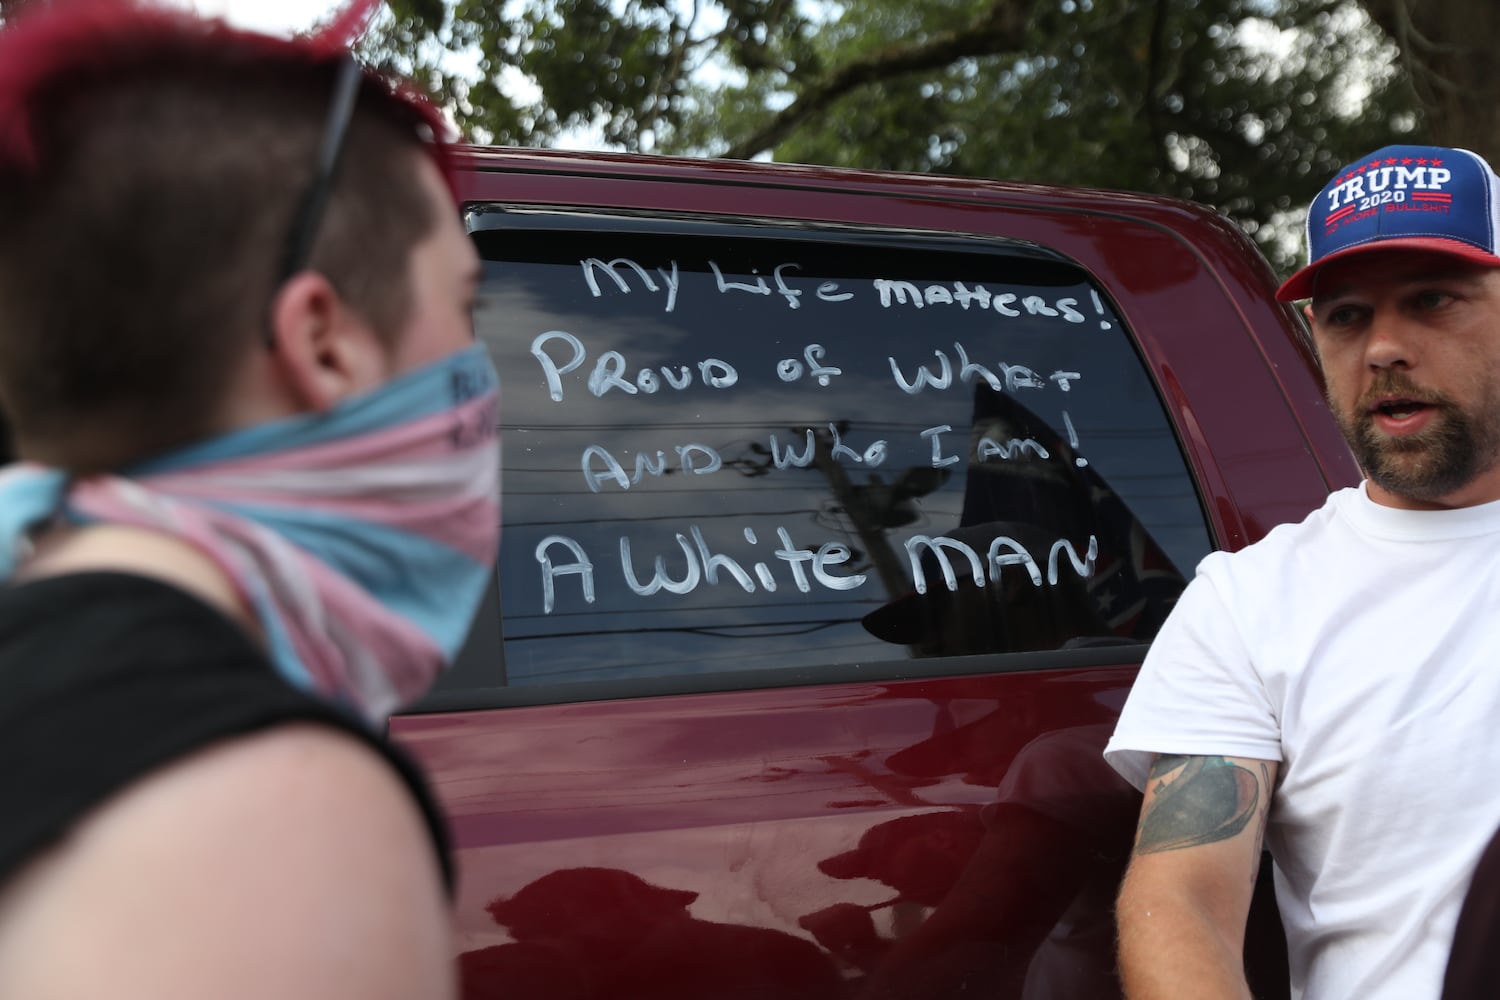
x: 1107, y: 654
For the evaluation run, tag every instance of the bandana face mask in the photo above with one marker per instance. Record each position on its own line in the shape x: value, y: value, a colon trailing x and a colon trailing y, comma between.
x: 361, y: 538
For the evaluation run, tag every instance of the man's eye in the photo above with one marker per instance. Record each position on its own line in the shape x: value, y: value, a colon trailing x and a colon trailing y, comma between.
x: 1342, y: 316
x: 1433, y: 299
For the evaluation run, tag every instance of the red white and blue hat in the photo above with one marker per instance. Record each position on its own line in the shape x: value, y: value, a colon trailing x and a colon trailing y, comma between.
x: 1413, y: 197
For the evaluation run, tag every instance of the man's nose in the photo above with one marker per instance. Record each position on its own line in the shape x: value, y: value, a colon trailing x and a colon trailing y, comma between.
x: 1389, y: 344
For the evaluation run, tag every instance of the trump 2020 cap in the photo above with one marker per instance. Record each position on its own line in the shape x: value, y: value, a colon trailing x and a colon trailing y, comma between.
x: 1414, y: 197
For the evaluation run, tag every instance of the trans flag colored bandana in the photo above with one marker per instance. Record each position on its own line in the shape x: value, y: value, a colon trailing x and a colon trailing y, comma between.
x: 1429, y: 198
x: 362, y: 538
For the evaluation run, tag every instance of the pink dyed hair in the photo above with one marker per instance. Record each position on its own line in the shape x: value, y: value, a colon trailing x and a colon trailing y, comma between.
x: 67, y: 45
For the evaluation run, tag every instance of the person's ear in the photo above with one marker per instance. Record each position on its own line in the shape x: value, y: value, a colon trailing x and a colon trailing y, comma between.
x: 1308, y: 312
x: 324, y: 349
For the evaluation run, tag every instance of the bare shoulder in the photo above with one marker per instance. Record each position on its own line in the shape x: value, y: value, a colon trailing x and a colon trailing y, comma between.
x: 291, y: 863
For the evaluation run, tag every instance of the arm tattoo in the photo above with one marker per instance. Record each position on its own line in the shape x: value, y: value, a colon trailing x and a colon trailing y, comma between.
x: 1208, y: 800
x: 1265, y: 810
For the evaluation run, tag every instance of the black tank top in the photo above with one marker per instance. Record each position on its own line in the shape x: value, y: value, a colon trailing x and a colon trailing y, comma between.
x: 106, y: 677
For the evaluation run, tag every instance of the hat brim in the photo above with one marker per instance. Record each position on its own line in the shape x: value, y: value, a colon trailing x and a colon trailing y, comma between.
x: 1301, y: 284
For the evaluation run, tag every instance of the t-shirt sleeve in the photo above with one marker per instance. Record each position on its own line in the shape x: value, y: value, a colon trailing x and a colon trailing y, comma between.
x: 1198, y: 692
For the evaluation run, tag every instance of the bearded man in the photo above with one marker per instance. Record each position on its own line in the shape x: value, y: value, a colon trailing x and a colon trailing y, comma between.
x: 1334, y: 688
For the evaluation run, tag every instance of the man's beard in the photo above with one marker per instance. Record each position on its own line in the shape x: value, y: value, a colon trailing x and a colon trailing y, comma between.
x: 1430, y: 464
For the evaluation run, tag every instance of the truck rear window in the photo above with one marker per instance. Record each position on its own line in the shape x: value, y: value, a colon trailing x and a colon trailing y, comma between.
x: 735, y: 447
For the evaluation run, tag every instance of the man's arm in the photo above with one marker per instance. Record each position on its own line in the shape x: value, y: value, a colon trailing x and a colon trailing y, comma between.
x: 1183, y: 906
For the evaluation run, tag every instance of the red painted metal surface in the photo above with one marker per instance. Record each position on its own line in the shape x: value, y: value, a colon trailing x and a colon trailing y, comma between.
x: 858, y: 837
x: 936, y: 837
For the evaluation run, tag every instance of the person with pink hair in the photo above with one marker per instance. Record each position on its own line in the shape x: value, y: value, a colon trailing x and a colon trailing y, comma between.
x: 255, y: 508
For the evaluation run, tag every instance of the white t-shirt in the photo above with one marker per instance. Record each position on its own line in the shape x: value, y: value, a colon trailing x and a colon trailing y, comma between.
x: 1361, y: 649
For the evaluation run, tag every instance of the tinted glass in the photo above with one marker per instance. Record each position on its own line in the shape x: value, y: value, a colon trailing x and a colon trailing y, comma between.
x: 743, y: 448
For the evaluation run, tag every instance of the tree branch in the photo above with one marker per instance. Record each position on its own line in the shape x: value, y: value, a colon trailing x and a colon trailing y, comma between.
x: 1151, y: 90
x: 1001, y: 28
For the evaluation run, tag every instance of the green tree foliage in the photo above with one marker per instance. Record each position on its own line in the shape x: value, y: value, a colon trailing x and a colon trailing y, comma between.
x: 1246, y: 105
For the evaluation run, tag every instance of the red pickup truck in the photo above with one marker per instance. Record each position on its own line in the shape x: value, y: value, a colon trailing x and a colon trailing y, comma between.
x: 840, y: 509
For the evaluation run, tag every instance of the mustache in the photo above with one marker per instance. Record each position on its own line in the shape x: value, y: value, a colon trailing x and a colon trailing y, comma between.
x: 1390, y: 384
